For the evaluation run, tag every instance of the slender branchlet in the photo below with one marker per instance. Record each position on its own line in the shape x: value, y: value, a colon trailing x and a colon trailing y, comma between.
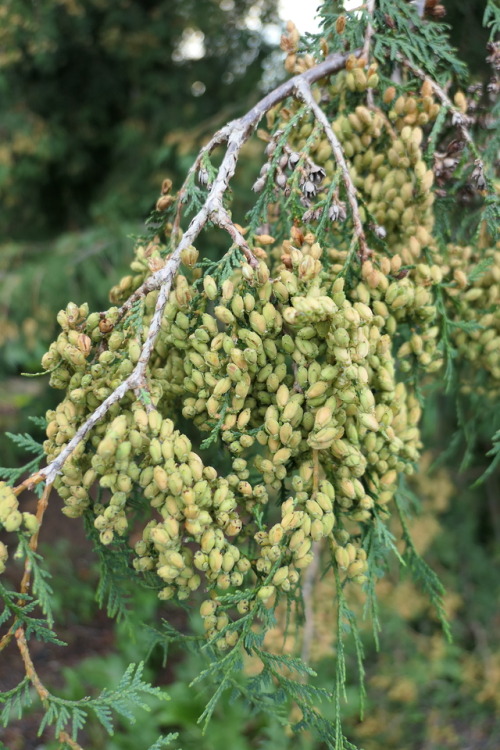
x: 235, y: 136
x: 459, y: 119
x: 303, y: 90
x: 369, y: 9
x: 307, y: 598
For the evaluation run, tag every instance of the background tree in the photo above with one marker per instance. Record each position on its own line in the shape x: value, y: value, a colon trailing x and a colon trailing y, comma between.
x: 91, y: 91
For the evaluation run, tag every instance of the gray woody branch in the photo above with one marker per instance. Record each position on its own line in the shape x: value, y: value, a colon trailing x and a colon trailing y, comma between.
x: 303, y: 89
x: 235, y: 134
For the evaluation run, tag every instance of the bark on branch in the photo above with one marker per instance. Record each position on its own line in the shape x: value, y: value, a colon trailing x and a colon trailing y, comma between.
x: 303, y: 90
x: 235, y: 135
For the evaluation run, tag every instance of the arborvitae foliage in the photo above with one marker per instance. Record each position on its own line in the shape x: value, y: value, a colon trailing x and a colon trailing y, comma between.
x: 232, y: 430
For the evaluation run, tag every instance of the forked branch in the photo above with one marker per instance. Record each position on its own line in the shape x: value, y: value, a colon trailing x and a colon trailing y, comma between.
x: 235, y: 135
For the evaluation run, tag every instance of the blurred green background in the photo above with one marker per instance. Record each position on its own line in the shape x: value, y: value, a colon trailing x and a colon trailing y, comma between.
x: 100, y: 100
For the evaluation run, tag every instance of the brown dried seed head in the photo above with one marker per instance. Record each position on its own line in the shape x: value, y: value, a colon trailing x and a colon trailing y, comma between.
x: 164, y: 202
x: 105, y: 325
x: 340, y: 24
x: 297, y: 235
x: 166, y: 186
x: 84, y: 343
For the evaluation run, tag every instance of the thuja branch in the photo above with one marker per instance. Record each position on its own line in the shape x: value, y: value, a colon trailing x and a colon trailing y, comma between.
x: 41, y: 508
x: 459, y: 119
x: 303, y: 90
x: 235, y: 134
x: 369, y: 8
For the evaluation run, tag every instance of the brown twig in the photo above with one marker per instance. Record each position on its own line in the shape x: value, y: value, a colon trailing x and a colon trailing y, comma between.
x: 40, y: 510
x: 20, y: 634
x: 303, y: 90
x: 29, y: 667
x: 64, y: 737
x: 6, y: 638
x: 224, y: 221
x: 28, y: 483
x: 40, y: 688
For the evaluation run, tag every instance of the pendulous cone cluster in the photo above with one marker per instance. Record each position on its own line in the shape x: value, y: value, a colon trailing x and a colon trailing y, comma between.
x: 301, y: 376
x: 233, y: 430
x: 298, y: 359
x: 383, y: 146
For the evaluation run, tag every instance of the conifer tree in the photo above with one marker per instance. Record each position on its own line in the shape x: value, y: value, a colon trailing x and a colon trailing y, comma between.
x: 254, y: 418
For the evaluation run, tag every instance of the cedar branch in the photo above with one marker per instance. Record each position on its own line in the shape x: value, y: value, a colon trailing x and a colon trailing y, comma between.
x: 459, y: 119
x: 235, y: 134
x: 369, y: 8
x: 303, y: 90
x: 40, y: 510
